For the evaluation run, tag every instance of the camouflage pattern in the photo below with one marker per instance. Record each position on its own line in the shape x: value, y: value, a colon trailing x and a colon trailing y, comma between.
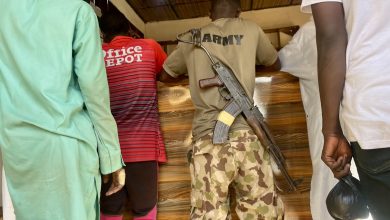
x: 242, y: 163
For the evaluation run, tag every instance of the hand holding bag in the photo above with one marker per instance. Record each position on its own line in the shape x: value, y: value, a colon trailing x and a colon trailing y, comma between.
x: 345, y: 201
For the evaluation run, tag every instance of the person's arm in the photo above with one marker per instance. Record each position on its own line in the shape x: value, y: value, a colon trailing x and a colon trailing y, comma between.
x: 276, y: 66
x: 166, y: 78
x: 174, y: 67
x: 267, y: 59
x: 92, y: 79
x: 299, y: 56
x: 331, y: 45
x: 160, y: 57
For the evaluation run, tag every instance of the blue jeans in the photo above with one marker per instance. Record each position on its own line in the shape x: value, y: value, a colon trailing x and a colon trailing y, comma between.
x: 373, y: 167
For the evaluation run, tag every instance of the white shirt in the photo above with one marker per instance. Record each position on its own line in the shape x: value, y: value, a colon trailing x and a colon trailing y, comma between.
x: 365, y: 108
x: 299, y: 58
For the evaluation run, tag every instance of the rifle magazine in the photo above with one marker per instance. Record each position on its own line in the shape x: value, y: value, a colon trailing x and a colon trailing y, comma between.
x: 221, y: 131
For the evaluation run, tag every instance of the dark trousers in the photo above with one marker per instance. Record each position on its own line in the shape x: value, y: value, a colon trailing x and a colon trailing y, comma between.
x: 140, y: 190
x: 373, y: 167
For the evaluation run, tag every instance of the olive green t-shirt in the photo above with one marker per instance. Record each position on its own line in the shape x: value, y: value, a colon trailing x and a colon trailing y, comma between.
x: 239, y: 44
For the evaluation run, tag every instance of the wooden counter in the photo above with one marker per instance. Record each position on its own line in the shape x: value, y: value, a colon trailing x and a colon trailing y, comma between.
x: 278, y: 97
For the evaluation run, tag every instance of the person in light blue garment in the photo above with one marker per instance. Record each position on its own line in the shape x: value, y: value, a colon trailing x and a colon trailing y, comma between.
x: 57, y: 134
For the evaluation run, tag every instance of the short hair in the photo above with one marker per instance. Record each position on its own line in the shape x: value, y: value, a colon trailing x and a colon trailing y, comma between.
x: 233, y: 3
x: 113, y: 22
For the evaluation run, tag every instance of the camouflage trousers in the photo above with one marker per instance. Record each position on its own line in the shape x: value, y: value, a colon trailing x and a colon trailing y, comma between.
x: 242, y: 163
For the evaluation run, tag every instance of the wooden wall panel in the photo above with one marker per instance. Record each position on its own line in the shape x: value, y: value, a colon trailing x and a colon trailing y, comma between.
x: 161, y: 10
x: 278, y: 96
x: 192, y: 10
x: 246, y: 5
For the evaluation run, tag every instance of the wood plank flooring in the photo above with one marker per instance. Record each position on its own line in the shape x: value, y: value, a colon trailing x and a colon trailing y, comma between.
x: 278, y: 97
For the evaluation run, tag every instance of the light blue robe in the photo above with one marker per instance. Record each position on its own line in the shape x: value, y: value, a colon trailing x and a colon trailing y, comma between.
x: 57, y: 133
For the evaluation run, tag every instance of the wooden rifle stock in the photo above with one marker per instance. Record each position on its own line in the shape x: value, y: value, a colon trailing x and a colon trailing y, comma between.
x: 283, y: 180
x: 210, y: 82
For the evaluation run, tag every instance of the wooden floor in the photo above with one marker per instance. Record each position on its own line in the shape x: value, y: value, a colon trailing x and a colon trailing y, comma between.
x: 278, y: 97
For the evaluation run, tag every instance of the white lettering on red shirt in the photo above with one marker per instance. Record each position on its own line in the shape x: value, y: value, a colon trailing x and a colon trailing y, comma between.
x: 117, y: 57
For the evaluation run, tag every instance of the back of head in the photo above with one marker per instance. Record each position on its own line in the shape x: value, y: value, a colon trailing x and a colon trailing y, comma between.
x: 225, y: 9
x: 113, y: 23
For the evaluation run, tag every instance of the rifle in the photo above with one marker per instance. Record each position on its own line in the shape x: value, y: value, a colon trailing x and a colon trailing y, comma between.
x: 240, y: 103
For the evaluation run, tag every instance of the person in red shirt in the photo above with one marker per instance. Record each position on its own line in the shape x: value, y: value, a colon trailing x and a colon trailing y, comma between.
x: 132, y: 68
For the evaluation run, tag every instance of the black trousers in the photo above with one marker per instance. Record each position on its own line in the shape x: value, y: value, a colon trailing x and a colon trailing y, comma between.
x: 140, y: 190
x: 373, y: 167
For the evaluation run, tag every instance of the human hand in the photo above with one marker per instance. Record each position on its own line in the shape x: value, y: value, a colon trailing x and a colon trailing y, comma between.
x: 337, y: 154
x: 118, y: 181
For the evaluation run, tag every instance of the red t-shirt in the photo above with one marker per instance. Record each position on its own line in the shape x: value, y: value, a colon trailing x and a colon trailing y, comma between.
x: 132, y: 66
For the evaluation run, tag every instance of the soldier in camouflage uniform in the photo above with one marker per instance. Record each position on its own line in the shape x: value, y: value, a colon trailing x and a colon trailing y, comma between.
x: 242, y: 162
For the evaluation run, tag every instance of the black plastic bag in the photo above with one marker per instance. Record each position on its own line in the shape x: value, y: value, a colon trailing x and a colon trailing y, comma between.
x: 345, y: 201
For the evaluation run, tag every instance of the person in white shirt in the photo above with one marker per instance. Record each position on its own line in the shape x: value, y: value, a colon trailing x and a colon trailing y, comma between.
x: 299, y: 58
x: 354, y: 82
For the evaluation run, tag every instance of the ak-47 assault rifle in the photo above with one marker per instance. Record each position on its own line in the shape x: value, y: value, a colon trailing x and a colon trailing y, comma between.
x: 240, y: 103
